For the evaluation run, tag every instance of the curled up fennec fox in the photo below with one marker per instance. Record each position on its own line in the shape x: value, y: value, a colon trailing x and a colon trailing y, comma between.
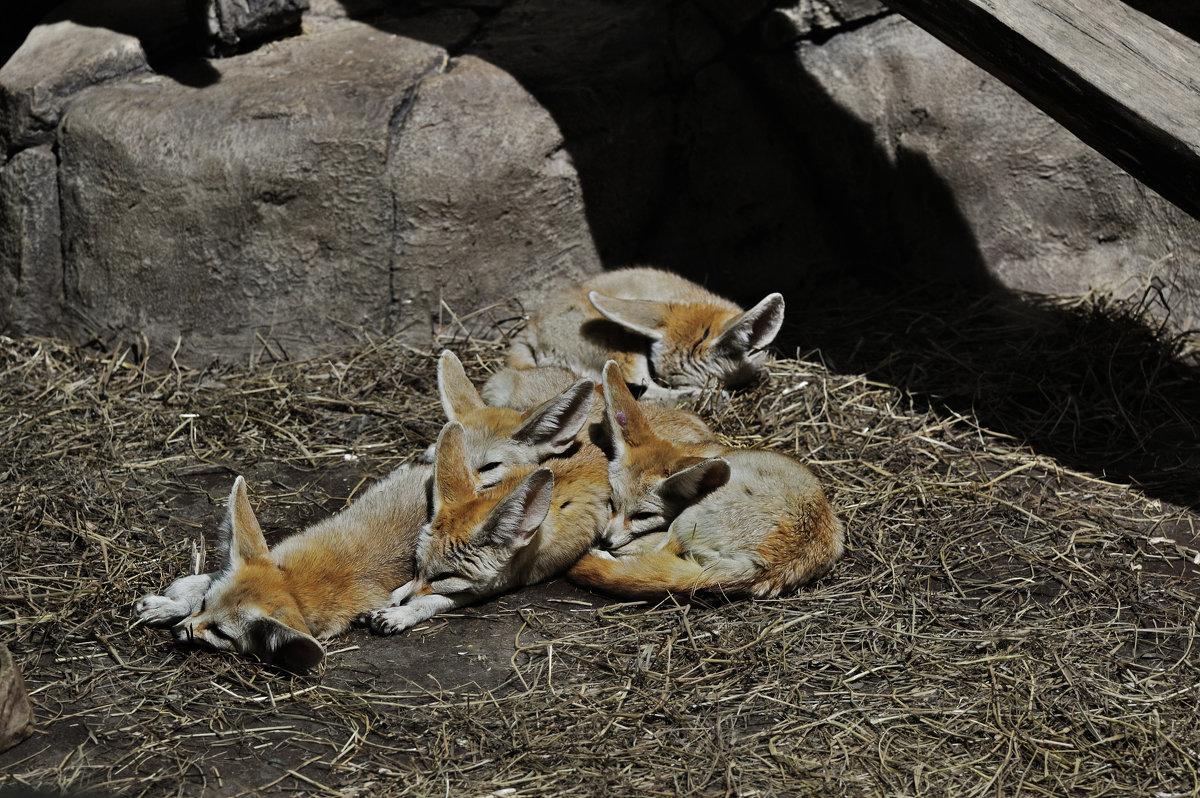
x: 515, y: 497
x: 275, y: 604
x: 669, y: 335
x: 482, y: 541
x: 704, y: 517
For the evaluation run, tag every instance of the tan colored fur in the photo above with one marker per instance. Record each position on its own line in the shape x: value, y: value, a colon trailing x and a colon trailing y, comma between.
x: 705, y: 517
x: 482, y: 541
x: 669, y: 335
x: 525, y: 389
x: 498, y: 439
x: 275, y: 604
x: 556, y: 421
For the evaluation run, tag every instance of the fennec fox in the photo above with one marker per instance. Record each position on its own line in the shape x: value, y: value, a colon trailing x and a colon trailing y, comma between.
x: 704, y: 517
x: 484, y: 541
x: 498, y: 439
x: 556, y: 422
x: 668, y: 334
x: 276, y: 604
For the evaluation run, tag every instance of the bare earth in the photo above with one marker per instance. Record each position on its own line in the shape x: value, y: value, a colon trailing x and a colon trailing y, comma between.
x: 1005, y: 621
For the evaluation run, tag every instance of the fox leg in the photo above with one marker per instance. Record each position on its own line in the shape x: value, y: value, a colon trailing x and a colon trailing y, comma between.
x: 181, y: 598
x: 389, y: 620
x: 521, y: 355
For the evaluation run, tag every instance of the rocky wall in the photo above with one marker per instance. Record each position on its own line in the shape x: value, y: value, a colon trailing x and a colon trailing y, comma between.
x: 235, y: 185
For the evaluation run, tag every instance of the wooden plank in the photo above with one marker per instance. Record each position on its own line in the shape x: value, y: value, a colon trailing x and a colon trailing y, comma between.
x: 1120, y: 80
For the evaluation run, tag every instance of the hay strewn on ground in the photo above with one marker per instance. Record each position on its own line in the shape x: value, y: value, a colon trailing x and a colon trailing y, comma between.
x: 1001, y: 624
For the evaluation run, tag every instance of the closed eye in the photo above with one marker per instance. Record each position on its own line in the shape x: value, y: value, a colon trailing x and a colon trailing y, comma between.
x: 643, y: 516
x: 488, y: 467
x: 219, y: 632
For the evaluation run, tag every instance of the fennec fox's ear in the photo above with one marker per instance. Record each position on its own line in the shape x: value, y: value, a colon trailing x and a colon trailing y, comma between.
x: 241, y: 537
x: 624, y: 422
x: 696, y: 481
x: 755, y: 329
x: 458, y: 395
x: 552, y: 426
x: 643, y: 316
x: 452, y: 480
x: 519, y: 514
x: 284, y: 646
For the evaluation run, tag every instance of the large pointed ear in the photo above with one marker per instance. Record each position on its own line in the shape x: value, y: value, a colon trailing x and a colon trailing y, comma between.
x: 755, y: 329
x: 458, y: 394
x: 624, y: 422
x: 452, y: 481
x: 696, y: 481
x: 241, y: 537
x: 281, y: 645
x: 642, y: 316
x: 551, y: 427
x: 513, y: 521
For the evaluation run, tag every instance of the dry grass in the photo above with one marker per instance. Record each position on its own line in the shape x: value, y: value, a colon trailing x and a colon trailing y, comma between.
x: 1001, y: 625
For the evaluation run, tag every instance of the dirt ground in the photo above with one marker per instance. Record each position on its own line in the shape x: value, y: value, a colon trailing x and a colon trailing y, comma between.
x: 471, y: 652
x: 1003, y: 622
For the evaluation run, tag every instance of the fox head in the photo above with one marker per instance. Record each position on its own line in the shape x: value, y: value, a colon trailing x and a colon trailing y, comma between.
x: 695, y: 342
x: 248, y: 608
x: 468, y: 548
x: 652, y: 479
x: 498, y: 439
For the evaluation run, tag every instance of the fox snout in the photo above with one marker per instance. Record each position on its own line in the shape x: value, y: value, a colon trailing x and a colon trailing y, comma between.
x: 618, y: 532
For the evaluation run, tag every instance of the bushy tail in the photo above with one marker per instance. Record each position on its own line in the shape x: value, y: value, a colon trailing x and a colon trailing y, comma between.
x: 659, y: 563
x: 651, y: 574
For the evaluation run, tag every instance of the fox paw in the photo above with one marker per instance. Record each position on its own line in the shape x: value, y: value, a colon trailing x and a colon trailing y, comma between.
x: 161, y: 611
x: 429, y: 455
x: 391, y: 620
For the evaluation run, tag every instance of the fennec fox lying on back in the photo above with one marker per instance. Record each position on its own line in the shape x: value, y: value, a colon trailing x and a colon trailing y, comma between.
x: 704, y: 517
x: 276, y: 604
x: 668, y: 334
x: 484, y: 541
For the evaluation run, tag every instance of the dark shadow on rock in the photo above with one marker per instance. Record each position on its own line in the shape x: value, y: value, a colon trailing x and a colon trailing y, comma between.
x: 701, y: 150
x: 1182, y: 16
x: 18, y: 22
x: 171, y: 32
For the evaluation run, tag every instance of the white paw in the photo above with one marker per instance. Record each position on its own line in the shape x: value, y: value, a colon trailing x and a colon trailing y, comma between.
x: 429, y: 455
x: 391, y: 620
x: 602, y: 554
x: 161, y: 611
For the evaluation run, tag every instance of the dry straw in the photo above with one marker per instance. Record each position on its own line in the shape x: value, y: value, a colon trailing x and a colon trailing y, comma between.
x: 1002, y: 624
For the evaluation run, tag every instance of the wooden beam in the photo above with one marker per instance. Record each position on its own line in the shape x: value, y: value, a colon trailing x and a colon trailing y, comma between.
x: 1120, y: 80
